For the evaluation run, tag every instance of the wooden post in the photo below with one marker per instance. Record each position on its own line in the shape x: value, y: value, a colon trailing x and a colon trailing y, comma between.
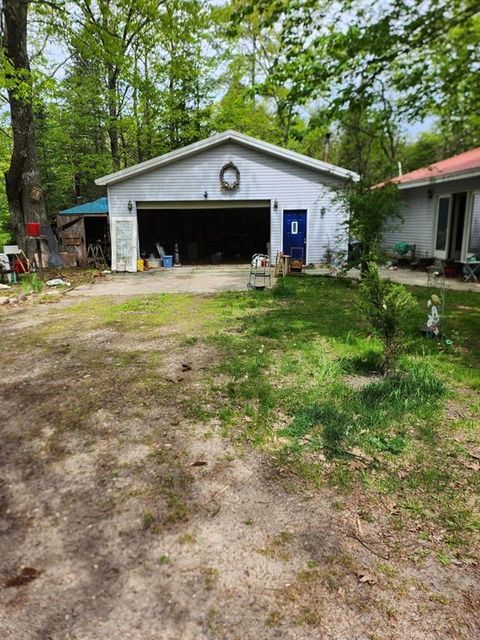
x: 38, y: 241
x: 40, y: 260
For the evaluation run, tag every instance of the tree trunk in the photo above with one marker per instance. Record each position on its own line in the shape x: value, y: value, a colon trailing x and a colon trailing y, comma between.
x: 253, y: 69
x: 136, y: 115
x: 22, y: 175
x: 148, y: 112
x: 113, y: 116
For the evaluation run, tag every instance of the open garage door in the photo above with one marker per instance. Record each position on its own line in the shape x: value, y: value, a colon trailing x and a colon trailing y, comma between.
x: 206, y: 233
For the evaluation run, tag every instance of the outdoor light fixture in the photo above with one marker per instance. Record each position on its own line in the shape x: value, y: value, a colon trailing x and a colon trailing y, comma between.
x: 323, y: 211
x: 429, y: 194
x: 205, y: 194
x: 130, y: 205
x: 275, y: 204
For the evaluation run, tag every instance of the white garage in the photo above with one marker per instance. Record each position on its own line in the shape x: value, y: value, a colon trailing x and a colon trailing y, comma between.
x: 223, y: 199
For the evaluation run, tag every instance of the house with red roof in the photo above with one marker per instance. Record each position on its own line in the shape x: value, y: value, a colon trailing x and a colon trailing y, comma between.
x: 441, y: 209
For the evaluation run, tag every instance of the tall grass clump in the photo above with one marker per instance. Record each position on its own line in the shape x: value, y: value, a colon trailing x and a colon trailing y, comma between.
x: 376, y: 417
x: 31, y: 282
x: 405, y: 389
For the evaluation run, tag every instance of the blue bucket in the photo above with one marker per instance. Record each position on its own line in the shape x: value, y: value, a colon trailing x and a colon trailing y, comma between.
x: 168, y: 262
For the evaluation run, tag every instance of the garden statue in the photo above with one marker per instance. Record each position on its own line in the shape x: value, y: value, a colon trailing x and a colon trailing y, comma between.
x: 432, y: 327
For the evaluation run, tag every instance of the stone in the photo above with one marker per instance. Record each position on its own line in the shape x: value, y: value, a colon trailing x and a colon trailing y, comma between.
x: 4, y: 300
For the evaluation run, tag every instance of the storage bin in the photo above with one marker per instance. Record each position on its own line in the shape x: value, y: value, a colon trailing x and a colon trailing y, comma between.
x: 168, y: 262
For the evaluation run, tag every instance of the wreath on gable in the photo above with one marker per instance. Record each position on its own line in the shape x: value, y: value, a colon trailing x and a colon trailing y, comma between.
x: 230, y: 176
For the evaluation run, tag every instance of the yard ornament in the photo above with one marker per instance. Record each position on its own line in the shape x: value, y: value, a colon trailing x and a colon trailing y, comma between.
x: 435, y: 326
x: 433, y: 319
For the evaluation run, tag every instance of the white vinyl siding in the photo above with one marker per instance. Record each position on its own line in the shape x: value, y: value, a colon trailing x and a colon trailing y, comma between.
x: 419, y: 215
x: 262, y: 178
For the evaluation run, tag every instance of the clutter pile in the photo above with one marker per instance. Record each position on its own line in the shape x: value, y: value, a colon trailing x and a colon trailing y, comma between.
x: 145, y: 263
x: 13, y: 262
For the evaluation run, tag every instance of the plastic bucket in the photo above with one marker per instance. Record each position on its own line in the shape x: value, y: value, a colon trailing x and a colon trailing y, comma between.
x: 168, y: 262
x: 33, y: 229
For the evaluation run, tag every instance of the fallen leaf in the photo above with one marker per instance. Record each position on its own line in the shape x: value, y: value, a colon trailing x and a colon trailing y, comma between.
x: 26, y: 575
x: 474, y: 466
x: 366, y: 578
x: 470, y: 561
x: 357, y: 465
x: 356, y: 451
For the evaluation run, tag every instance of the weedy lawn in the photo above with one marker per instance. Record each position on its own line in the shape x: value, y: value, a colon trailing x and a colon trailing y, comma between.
x: 233, y: 466
x: 303, y: 383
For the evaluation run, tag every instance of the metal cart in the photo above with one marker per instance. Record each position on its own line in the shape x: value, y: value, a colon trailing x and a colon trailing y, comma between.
x: 260, y: 271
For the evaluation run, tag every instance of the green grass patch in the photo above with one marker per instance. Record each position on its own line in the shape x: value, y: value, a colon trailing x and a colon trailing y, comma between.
x: 292, y: 359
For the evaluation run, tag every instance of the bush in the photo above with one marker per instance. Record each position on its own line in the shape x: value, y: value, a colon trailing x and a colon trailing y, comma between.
x: 371, y: 210
x: 386, y: 306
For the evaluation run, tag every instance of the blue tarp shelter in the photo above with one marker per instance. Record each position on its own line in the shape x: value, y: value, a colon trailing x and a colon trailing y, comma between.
x: 96, y: 207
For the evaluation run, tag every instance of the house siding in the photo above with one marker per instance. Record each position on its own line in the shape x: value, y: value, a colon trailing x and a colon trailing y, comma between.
x: 418, y: 215
x: 263, y: 177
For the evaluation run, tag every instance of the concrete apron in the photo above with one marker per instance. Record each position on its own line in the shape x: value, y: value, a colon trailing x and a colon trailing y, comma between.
x: 202, y: 279
x: 217, y: 278
x: 419, y: 279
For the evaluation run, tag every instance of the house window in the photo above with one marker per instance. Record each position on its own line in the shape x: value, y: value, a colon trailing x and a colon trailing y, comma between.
x: 442, y: 224
x: 294, y: 229
x: 474, y: 239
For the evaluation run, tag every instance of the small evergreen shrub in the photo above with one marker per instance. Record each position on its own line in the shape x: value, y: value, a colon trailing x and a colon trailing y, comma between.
x: 385, y: 305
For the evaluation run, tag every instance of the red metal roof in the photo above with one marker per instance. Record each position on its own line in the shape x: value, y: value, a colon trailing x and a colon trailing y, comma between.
x: 463, y: 163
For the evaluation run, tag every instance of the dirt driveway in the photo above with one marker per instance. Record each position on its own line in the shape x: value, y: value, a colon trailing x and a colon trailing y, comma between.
x: 127, y: 513
x: 180, y: 280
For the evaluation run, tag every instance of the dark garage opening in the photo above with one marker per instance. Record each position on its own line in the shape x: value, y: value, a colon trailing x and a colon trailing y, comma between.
x: 97, y: 231
x: 205, y: 235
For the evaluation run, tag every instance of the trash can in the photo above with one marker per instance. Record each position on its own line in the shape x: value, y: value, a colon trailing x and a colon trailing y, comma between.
x: 168, y: 262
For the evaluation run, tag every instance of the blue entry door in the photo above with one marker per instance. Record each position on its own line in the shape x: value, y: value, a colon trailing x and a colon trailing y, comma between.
x: 295, y: 233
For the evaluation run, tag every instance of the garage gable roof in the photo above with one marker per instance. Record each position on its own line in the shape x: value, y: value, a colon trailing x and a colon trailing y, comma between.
x: 220, y: 138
